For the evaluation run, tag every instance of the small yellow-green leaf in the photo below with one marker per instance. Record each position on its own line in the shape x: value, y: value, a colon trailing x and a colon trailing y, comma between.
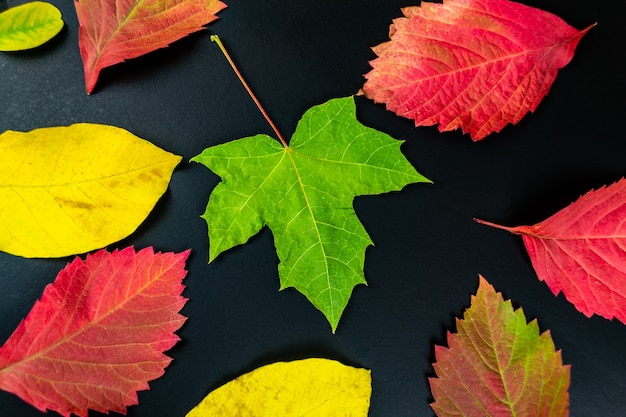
x: 29, y: 25
x: 69, y: 190
x: 308, y: 387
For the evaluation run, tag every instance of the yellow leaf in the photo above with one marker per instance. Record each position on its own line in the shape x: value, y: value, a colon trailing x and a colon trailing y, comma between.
x: 308, y: 387
x: 69, y: 190
x: 29, y: 25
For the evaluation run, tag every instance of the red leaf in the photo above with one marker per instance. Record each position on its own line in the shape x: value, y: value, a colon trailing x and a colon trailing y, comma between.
x: 98, y: 333
x: 498, y: 365
x: 112, y: 31
x: 473, y: 64
x: 581, y: 251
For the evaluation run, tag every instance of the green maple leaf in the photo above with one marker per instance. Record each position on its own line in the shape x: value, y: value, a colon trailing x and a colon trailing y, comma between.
x: 304, y: 193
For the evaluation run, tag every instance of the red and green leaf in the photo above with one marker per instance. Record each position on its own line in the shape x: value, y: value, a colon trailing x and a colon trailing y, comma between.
x: 471, y: 64
x: 581, y: 251
x: 498, y: 365
x: 98, y: 333
x: 112, y: 31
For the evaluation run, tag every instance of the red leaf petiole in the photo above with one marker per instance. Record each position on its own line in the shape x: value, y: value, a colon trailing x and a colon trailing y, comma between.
x: 219, y: 43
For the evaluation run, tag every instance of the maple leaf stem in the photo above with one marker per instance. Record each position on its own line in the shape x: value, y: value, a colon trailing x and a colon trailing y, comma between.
x: 219, y: 43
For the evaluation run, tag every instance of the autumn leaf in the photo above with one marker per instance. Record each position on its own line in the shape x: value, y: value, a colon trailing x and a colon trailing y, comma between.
x: 304, y: 193
x: 116, y: 30
x: 98, y: 333
x: 69, y: 190
x: 498, y: 365
x: 308, y: 387
x: 471, y: 64
x: 29, y: 25
x: 580, y: 251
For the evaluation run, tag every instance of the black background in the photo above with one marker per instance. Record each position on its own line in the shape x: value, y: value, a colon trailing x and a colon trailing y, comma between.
x: 429, y: 251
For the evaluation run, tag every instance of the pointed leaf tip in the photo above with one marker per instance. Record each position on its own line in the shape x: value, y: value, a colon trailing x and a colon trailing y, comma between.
x: 113, y: 31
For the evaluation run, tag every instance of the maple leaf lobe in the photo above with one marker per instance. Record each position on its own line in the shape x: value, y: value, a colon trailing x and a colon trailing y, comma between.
x: 471, y: 64
x: 98, y: 333
x: 304, y: 194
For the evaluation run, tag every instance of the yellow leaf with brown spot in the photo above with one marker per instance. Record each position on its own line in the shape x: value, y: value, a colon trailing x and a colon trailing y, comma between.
x: 308, y: 387
x: 68, y: 190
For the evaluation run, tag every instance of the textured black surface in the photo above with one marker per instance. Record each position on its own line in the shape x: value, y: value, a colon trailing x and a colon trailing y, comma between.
x: 428, y: 252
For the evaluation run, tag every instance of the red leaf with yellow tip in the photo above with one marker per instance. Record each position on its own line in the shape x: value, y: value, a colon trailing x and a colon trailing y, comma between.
x: 498, y: 365
x: 112, y: 31
x: 471, y: 64
x: 581, y: 251
x: 98, y: 333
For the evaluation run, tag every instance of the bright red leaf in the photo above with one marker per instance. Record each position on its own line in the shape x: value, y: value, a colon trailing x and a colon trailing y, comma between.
x: 581, y: 251
x: 471, y: 64
x: 498, y: 365
x: 112, y: 31
x: 98, y: 333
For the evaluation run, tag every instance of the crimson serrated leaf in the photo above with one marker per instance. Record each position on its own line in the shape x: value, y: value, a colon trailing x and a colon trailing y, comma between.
x: 98, y: 333
x: 581, y: 251
x: 471, y: 64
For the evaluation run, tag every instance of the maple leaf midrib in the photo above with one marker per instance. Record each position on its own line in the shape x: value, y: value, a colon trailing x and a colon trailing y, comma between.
x: 288, y: 152
x: 291, y: 152
x: 41, y: 354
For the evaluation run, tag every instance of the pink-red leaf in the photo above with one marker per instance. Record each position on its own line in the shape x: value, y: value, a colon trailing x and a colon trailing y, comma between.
x: 581, y: 251
x: 112, y: 31
x: 98, y: 333
x: 471, y: 64
x: 498, y: 365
